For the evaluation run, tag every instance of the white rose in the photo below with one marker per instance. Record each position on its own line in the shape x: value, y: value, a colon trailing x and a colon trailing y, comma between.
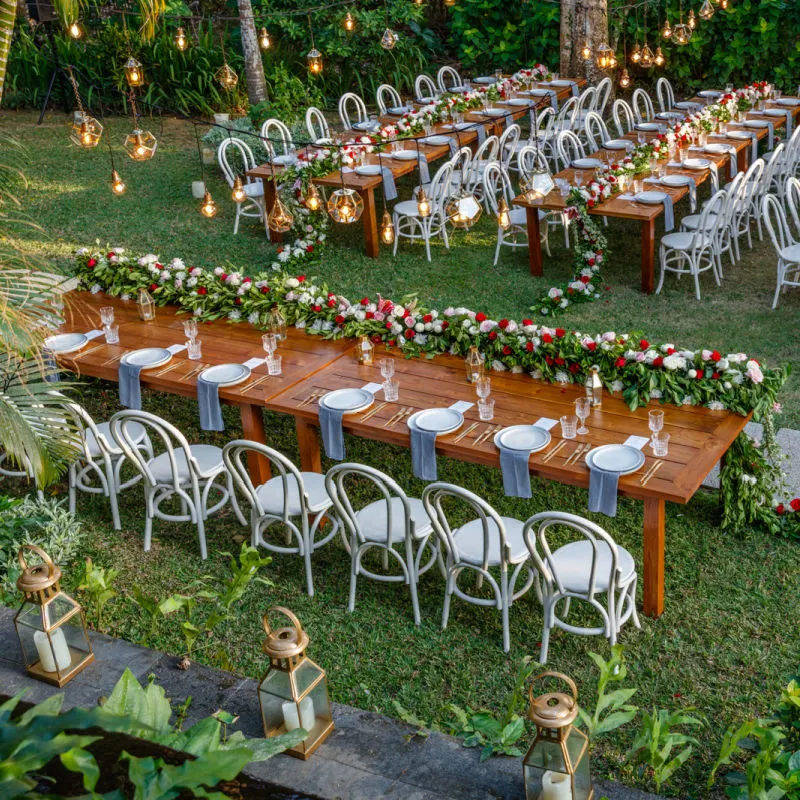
x: 419, y: 327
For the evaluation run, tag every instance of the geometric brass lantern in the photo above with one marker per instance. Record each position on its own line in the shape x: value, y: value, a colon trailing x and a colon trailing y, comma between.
x: 140, y: 145
x: 50, y: 624
x: 463, y: 210
x: 133, y: 72
x: 539, y: 184
x: 86, y: 131
x: 345, y: 206
x: 226, y: 76
x: 294, y: 691
x: 606, y: 58
x: 279, y: 218
x: 389, y: 39
x: 681, y: 34
x: 557, y: 765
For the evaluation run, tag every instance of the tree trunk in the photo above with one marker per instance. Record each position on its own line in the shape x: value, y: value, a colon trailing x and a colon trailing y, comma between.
x: 8, y: 13
x: 253, y: 66
x: 582, y: 21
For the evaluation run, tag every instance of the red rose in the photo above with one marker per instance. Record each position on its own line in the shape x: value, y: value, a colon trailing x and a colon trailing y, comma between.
x: 529, y: 346
x: 779, y: 509
x: 370, y: 315
x: 506, y: 350
x: 111, y: 254
x: 202, y: 290
x: 365, y: 301
x: 644, y: 344
x: 585, y: 278
x: 237, y: 301
x: 301, y: 278
x: 265, y: 290
x: 590, y: 203
x: 331, y: 304
x: 390, y: 342
x: 339, y: 319
x: 591, y: 346
x: 406, y: 313
x: 503, y: 324
x: 670, y: 350
x: 570, y: 290
x: 310, y: 248
x: 376, y: 338
x: 573, y: 368
x: 548, y: 361
x: 547, y: 338
x: 316, y: 308
x: 409, y: 333
x: 480, y: 317
x: 590, y: 262
x: 658, y: 361
x: 159, y: 266
x: 527, y: 322
x: 620, y: 362
x: 492, y: 335
x: 92, y: 262
x: 427, y: 318
x: 445, y: 325
x: 716, y: 356
x: 560, y: 361
x: 795, y: 504
x: 223, y: 276
x: 715, y: 375
x: 560, y: 332
x: 153, y: 287
x: 388, y: 326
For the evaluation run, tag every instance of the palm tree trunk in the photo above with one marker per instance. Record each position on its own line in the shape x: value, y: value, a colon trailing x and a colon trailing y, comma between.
x: 582, y: 21
x: 8, y: 13
x: 253, y: 67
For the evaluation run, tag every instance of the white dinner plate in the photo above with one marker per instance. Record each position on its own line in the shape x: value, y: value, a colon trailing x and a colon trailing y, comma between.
x: 738, y: 135
x: 226, y: 374
x: 437, y: 140
x: 523, y: 437
x: 439, y: 420
x: 561, y: 82
x: 676, y: 180
x: 368, y: 169
x: 586, y: 163
x: 367, y: 125
x: 755, y: 123
x: 348, y: 400
x: 537, y: 92
x: 458, y: 89
x: 404, y: 155
x: 774, y: 112
x: 617, y: 144
x: 65, y: 342
x: 518, y: 101
x: 621, y: 458
x: 696, y: 163
x: 398, y: 111
x: 495, y: 112
x: 286, y: 158
x: 710, y: 93
x: 687, y: 104
x: 790, y: 102
x: 486, y: 80
x: 647, y: 126
x: 718, y: 148
x: 668, y: 115
x: 148, y: 357
x: 650, y: 198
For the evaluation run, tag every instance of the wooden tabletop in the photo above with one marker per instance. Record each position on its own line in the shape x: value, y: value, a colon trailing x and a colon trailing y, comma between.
x: 698, y: 436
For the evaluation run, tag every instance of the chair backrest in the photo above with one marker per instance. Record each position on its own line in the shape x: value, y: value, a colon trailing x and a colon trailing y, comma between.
x: 535, y: 533
x: 235, y: 455
x: 586, y: 102
x: 734, y: 190
x: 397, y: 504
x: 87, y: 431
x: 772, y: 170
x: 448, y: 78
x: 622, y: 114
x: 317, y: 126
x: 244, y: 159
x: 750, y: 184
x: 792, y: 195
x: 425, y: 89
x: 531, y: 158
x: 485, y: 154
x: 642, y: 105
x: 569, y: 147
x: 544, y: 119
x: 174, y: 442
x: 492, y: 526
x: 496, y: 181
x: 274, y: 132
x: 565, y: 119
x: 711, y: 217
x: 596, y: 130
x: 603, y: 93
x: 387, y: 97
x: 440, y: 186
x: 777, y: 225
x: 507, y: 145
x: 351, y: 103
x: 665, y: 95
x: 461, y: 163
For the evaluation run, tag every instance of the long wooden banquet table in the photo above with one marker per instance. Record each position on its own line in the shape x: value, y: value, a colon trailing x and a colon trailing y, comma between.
x: 646, y: 215
x: 699, y: 437
x: 366, y: 185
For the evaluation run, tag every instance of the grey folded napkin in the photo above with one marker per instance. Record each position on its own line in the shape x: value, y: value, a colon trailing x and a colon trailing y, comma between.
x: 209, y: 406
x: 330, y: 425
x: 481, y: 131
x: 423, y: 453
x: 516, y: 477
x: 714, y: 175
x: 130, y: 390
x: 424, y: 172
x: 575, y: 90
x: 389, y: 187
x: 669, y: 213
x: 453, y: 146
x: 603, y: 491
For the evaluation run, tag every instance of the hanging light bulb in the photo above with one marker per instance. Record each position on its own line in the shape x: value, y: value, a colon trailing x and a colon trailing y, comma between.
x: 264, y: 42
x: 389, y: 39
x: 237, y: 191
x: 692, y: 20
x: 659, y: 60
x: 314, y: 61
x: 612, y: 60
x: 279, y: 218
x: 349, y: 22
x: 387, y: 229
x: 605, y: 57
x: 118, y: 186
x: 647, y: 58
x: 723, y: 4
x: 624, y: 78
x: 345, y: 206
x: 418, y: 2
x: 140, y: 145
x: 208, y: 208
x: 133, y: 72
x: 450, y: 3
x: 706, y: 10
x: 86, y: 131
x: 667, y: 31
x: 636, y: 55
x: 180, y: 39
x: 312, y: 200
x: 503, y: 216
x: 586, y: 51
x: 75, y: 30
x: 423, y: 204
x: 226, y: 76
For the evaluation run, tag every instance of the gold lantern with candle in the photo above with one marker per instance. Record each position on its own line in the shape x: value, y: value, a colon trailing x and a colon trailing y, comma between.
x: 345, y: 206
x: 264, y: 41
x: 140, y: 145
x: 365, y: 351
x: 145, y: 305
x: 294, y: 691
x: 180, y: 40
x: 50, y: 624
x: 463, y: 210
x: 387, y: 229
x: 133, y: 72
x: 314, y: 61
x: 474, y: 365
x: 557, y: 765
x: 277, y: 324
x: 86, y: 131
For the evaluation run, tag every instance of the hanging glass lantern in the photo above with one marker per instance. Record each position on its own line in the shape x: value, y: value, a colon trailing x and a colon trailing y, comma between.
x: 294, y: 691
x: 387, y: 229
x: 180, y: 39
x: 647, y: 57
x: 463, y: 210
x: 557, y: 764
x: 625, y: 79
x: 449, y: 3
x: 692, y: 21
x: 706, y: 10
x: 314, y: 61
x: 723, y: 4
x: 226, y: 77
x: 276, y: 324
x: 423, y: 203
x: 86, y: 131
x: 118, y: 186
x: 140, y: 145
x: 612, y: 60
x: 50, y: 624
x: 389, y: 39
x: 75, y: 30
x: 681, y: 34
x: 349, y: 22
x: 636, y: 54
x: 667, y: 32
x: 586, y: 51
x: 503, y: 215
x: 133, y: 72
x: 279, y: 219
x: 659, y: 59
x: 605, y: 55
x: 312, y: 199
x: 264, y: 42
x: 345, y: 206
x: 208, y: 208
x: 238, y: 193
x: 537, y: 185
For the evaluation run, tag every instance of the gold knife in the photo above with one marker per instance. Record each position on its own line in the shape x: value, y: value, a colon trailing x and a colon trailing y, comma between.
x: 86, y: 352
x: 373, y: 411
x: 313, y: 396
x: 552, y: 452
x: 395, y: 417
x: 466, y: 432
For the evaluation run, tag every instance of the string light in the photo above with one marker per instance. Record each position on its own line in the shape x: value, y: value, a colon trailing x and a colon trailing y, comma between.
x: 389, y: 39
x: 345, y: 206
x: 314, y: 57
x: 667, y: 32
x: 423, y: 203
x: 624, y: 78
x: 586, y: 51
x: 659, y: 59
x: 118, y: 186
x: 75, y: 30
x: 140, y: 145
x: 723, y: 4
x: 349, y: 22
x: 449, y: 3
x: 86, y: 130
x: 692, y: 22
x: 636, y: 55
x: 279, y: 219
x: 226, y: 77
x: 647, y: 58
x: 264, y: 42
x: 706, y: 10
x: 180, y: 40
x: 237, y: 190
x: 681, y: 33
x: 503, y: 216
x: 387, y: 228
x: 208, y: 208
x: 133, y: 72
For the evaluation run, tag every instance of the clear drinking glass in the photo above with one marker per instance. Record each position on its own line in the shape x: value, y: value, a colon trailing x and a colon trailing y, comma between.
x: 655, y: 421
x: 640, y: 137
x: 391, y: 390
x: 107, y: 315
x: 638, y: 185
x: 274, y: 365
x: 660, y: 443
x: 569, y: 426
x: 387, y: 367
x: 112, y: 333
x: 483, y: 387
x: 195, y: 349
x: 728, y: 88
x: 778, y: 94
x: 582, y: 407
x: 190, y: 329
x: 486, y: 409
x: 270, y: 343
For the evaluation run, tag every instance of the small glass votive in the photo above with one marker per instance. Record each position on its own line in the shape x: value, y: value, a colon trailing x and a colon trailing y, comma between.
x: 638, y: 185
x: 107, y: 315
x: 274, y: 365
x: 659, y: 442
x: 569, y: 426
x: 112, y: 333
x: 195, y: 349
x: 486, y: 409
x: 190, y: 328
x: 391, y: 390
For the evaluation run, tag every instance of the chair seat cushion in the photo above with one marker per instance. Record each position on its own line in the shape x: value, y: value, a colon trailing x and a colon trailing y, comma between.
x: 270, y: 494
x: 469, y: 540
x: 255, y: 189
x: 135, y: 430
x: 406, y: 208
x: 208, y: 457
x: 373, y: 522
x: 693, y: 220
x: 791, y: 253
x: 573, y: 565
x: 682, y: 241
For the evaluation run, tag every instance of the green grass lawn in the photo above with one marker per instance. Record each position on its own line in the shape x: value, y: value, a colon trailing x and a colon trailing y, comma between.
x: 726, y: 643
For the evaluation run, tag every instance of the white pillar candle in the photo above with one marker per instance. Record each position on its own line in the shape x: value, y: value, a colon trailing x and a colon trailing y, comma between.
x: 306, y: 717
x: 62, y: 655
x: 556, y: 786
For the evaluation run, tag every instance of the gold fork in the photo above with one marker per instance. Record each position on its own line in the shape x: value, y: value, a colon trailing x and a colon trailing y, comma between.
x: 115, y: 358
x: 490, y: 431
x: 86, y: 352
x: 193, y: 372
x: 404, y: 416
x: 166, y: 369
x: 373, y: 411
x: 652, y: 471
x: 311, y: 397
x: 575, y: 455
x: 253, y: 384
x: 396, y: 416
x: 552, y: 452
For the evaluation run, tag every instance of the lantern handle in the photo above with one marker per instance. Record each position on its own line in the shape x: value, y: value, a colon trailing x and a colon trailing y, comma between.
x: 51, y: 567
x: 560, y: 676
x: 286, y: 613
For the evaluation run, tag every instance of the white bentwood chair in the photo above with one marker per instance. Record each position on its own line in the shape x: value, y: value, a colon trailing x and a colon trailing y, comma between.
x: 642, y: 106
x: 603, y: 93
x: 355, y: 115
x: 623, y: 117
x: 387, y: 97
x: 425, y: 90
x: 253, y: 206
x: 277, y: 140
x: 396, y: 526
x: 586, y: 569
x: 487, y: 542
x: 448, y: 79
x: 183, y: 471
x: 786, y: 247
x: 317, y: 126
x: 295, y: 502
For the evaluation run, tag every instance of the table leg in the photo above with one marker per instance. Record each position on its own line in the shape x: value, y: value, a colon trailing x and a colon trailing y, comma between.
x: 253, y: 429
x: 648, y: 255
x: 653, y: 583
x: 308, y: 441
x: 534, y: 240
x: 269, y: 200
x: 370, y: 220
x: 742, y: 159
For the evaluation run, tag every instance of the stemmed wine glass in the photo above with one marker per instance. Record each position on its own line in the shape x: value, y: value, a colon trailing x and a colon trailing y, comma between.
x: 387, y: 367
x: 655, y: 421
x: 483, y: 387
x: 270, y: 343
x: 107, y: 315
x: 582, y: 407
x: 190, y: 329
